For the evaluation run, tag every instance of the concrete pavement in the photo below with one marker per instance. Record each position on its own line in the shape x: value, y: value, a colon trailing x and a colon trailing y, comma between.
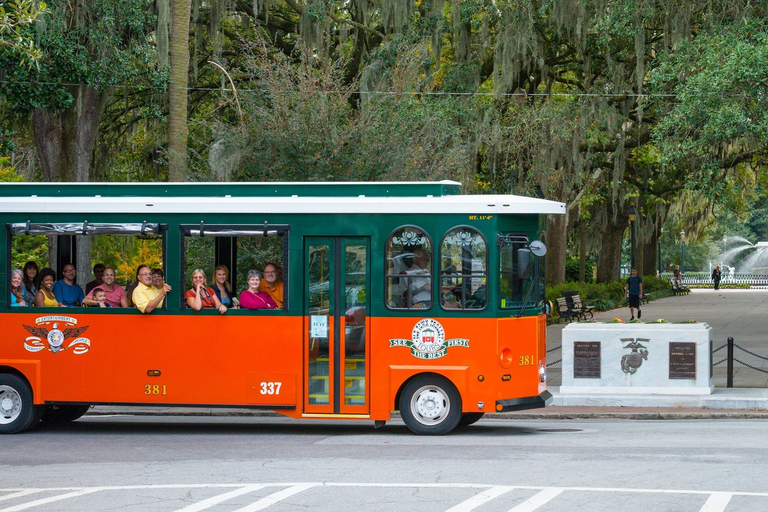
x: 742, y: 314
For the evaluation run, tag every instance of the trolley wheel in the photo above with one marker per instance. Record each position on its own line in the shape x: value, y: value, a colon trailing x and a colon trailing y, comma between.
x: 58, y: 414
x: 469, y: 418
x: 17, y: 410
x: 430, y: 405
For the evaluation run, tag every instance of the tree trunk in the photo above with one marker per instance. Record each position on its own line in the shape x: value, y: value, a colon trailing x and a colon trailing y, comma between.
x: 608, y: 267
x: 556, y: 244
x: 650, y: 257
x: 65, y: 139
x: 177, y: 95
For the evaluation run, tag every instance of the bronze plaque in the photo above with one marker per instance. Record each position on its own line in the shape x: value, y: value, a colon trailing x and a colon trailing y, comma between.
x: 682, y: 360
x: 586, y: 359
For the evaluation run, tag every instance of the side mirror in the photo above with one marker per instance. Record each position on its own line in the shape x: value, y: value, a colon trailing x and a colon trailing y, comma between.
x: 524, y: 263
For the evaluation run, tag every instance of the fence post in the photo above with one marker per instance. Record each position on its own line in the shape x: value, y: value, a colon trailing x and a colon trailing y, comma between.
x: 729, y: 383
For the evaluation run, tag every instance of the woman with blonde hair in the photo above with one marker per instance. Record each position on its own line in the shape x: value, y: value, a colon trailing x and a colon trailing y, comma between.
x: 221, y: 285
x: 17, y: 288
x: 202, y: 296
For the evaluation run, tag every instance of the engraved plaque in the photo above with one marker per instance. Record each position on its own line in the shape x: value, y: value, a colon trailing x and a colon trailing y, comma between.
x: 586, y: 359
x: 682, y: 360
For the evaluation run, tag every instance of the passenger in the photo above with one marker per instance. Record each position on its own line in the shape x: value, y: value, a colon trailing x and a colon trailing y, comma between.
x: 68, y: 293
x: 132, y: 286
x: 158, y: 278
x: 30, y: 282
x: 17, y: 288
x: 98, y: 272
x: 420, y: 287
x: 45, y: 296
x: 146, y: 297
x: 252, y: 298
x: 202, y: 296
x: 221, y: 285
x: 100, y: 296
x: 115, y: 296
x: 272, y: 285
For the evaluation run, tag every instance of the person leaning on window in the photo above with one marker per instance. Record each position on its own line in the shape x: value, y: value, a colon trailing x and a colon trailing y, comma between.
x: 45, y: 296
x: 146, y: 297
x: 272, y: 284
x: 17, y: 288
x: 202, y: 296
x: 67, y: 292
x: 221, y: 285
x: 115, y: 296
x: 252, y: 298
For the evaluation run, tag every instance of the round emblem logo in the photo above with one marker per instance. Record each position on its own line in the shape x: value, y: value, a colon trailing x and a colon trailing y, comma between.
x: 428, y: 335
x: 55, y: 337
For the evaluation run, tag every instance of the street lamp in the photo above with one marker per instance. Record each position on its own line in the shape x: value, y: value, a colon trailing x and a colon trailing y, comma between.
x: 682, y: 263
x: 631, y: 213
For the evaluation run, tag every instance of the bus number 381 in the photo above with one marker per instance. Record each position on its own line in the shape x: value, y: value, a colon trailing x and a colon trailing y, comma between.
x: 270, y: 388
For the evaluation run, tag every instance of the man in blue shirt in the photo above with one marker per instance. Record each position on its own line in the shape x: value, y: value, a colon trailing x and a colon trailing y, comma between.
x: 634, y: 292
x: 66, y: 291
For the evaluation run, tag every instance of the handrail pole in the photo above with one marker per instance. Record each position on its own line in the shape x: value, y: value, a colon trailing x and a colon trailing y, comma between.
x: 729, y: 382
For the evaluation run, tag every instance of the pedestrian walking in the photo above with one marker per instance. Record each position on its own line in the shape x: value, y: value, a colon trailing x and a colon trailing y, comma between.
x: 716, y: 277
x: 634, y: 291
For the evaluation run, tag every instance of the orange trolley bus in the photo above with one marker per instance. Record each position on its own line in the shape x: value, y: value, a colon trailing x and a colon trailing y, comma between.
x: 395, y: 296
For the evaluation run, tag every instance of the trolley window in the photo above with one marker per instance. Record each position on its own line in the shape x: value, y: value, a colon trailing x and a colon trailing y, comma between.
x: 409, y: 269
x: 463, y: 270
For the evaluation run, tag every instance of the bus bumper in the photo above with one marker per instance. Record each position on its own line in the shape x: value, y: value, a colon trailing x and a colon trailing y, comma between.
x: 521, y: 404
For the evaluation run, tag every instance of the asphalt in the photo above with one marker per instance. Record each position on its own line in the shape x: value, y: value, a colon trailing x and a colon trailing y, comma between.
x: 741, y: 314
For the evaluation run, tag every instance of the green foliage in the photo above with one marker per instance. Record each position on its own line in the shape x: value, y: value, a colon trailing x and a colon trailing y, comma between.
x: 572, y: 270
x: 16, y: 17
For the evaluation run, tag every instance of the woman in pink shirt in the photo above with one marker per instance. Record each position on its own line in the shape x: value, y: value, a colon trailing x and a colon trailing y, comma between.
x: 252, y: 298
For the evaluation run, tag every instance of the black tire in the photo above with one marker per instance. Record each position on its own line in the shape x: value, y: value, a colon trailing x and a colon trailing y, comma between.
x: 430, y: 405
x: 469, y: 418
x: 59, y: 414
x: 17, y: 410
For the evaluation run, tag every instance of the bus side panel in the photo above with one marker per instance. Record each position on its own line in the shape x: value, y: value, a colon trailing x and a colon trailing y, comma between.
x: 471, y: 359
x: 30, y: 370
x: 201, y: 358
x: 542, y: 350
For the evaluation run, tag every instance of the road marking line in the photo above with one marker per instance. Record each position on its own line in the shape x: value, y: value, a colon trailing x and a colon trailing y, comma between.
x: 19, y: 494
x: 210, y: 502
x: 276, y: 497
x: 480, y: 499
x: 717, y: 502
x: 538, y: 499
x: 45, y: 501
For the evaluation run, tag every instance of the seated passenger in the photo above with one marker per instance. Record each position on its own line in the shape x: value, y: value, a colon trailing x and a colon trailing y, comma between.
x: 420, y: 287
x: 272, y: 284
x: 30, y: 282
x: 252, y: 298
x: 45, y: 296
x: 202, y: 296
x: 146, y: 297
x: 158, y: 278
x: 67, y: 292
x: 99, y: 296
x: 17, y: 288
x: 221, y: 285
x: 115, y: 296
x: 98, y: 273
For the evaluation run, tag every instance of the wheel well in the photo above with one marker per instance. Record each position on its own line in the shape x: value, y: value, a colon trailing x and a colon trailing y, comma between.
x: 409, y: 379
x: 14, y: 371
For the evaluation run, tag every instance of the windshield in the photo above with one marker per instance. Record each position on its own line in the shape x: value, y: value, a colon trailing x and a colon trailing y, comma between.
x: 521, y: 276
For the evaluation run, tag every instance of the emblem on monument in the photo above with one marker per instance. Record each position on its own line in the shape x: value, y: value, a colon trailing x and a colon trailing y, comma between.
x: 632, y: 361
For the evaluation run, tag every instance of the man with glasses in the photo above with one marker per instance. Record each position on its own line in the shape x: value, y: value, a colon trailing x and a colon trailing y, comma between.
x: 272, y: 285
x: 66, y: 291
x: 115, y: 295
x: 146, y: 297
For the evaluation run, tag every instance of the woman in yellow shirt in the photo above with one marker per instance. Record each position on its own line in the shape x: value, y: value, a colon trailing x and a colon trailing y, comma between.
x: 45, y: 296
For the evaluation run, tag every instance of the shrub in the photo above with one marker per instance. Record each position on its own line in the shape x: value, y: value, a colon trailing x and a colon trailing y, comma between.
x: 572, y: 270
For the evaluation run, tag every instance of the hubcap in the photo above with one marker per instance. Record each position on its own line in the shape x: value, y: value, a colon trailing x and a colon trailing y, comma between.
x: 430, y: 405
x: 10, y: 405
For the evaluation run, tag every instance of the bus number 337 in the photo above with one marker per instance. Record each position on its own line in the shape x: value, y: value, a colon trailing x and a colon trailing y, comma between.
x: 270, y: 388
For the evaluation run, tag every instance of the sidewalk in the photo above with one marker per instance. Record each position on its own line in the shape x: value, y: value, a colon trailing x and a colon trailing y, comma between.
x: 742, y: 314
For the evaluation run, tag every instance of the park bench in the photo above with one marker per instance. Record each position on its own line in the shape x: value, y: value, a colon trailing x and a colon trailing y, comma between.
x: 679, y: 288
x: 565, y: 311
x: 580, y: 308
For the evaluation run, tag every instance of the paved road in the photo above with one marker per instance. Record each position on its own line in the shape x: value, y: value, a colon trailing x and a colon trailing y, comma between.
x: 742, y: 314
x: 131, y: 463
